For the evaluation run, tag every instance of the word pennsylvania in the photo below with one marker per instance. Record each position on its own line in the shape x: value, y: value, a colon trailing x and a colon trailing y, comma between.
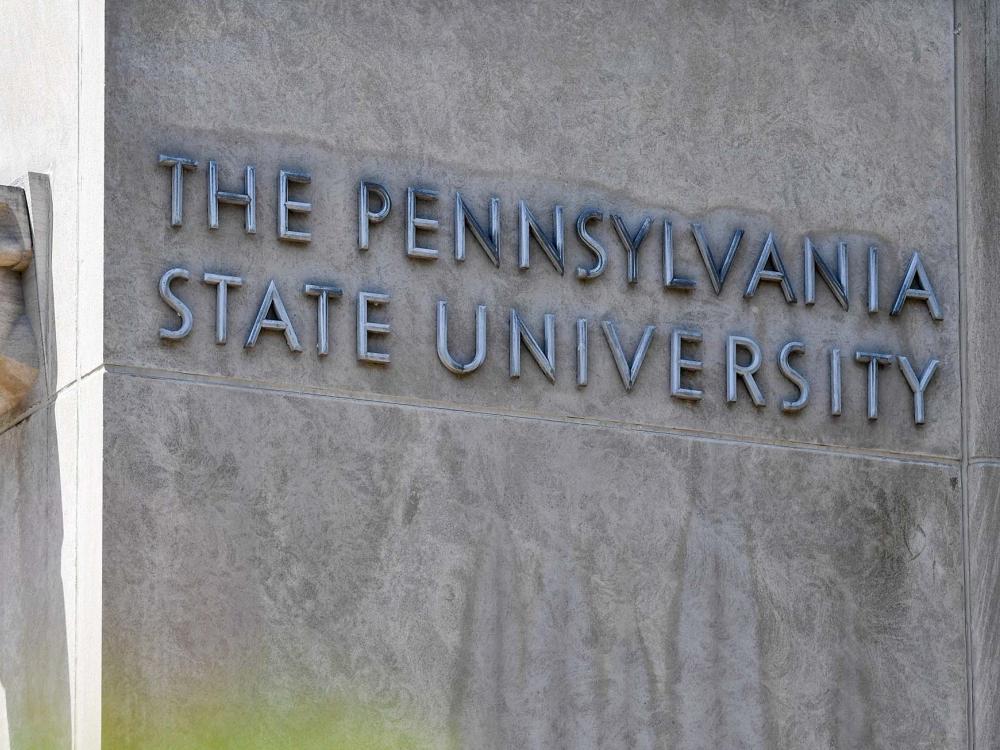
x: 743, y: 354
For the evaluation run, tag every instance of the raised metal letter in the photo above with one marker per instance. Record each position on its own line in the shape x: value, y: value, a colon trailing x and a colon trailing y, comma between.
x: 414, y: 222
x: 367, y: 217
x: 872, y: 280
x: 272, y: 300
x: 716, y: 274
x: 631, y: 243
x: 287, y: 206
x: 917, y: 384
x: 874, y: 360
x: 519, y: 333
x: 770, y: 267
x: 670, y: 278
x: 587, y: 240
x: 322, y: 293
x: 796, y: 377
x: 176, y: 304
x: 528, y: 228
x: 836, y: 403
x: 222, y: 284
x: 248, y: 198
x: 178, y: 165
x: 628, y: 371
x: 735, y: 370
x: 915, y: 273
x: 582, y: 353
x: 464, y: 219
x: 444, y: 355
x: 678, y: 364
x: 365, y: 327
x: 814, y: 262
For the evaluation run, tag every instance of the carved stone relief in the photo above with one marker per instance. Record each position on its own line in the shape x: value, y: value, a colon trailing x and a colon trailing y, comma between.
x: 18, y: 350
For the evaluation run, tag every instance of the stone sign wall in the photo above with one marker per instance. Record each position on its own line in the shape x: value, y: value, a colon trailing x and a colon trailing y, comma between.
x: 539, y: 376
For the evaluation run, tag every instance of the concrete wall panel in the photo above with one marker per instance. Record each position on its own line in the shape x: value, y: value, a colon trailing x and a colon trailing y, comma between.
x: 694, y: 117
x: 470, y: 580
x: 308, y: 550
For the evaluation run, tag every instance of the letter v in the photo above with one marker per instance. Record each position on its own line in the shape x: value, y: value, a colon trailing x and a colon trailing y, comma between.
x: 716, y: 274
x: 629, y: 372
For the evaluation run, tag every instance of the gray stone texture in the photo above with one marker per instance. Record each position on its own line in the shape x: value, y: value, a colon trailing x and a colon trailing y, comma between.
x: 979, y: 112
x: 507, y: 582
x: 662, y: 110
x: 984, y: 588
x: 208, y: 546
x: 487, y: 563
x: 978, y: 89
x: 34, y: 659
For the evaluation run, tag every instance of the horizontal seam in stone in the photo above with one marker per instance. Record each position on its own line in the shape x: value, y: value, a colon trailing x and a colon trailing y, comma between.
x: 47, y: 402
x: 240, y: 384
x: 984, y: 461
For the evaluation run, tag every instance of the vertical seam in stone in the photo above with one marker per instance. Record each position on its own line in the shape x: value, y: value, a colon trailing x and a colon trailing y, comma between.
x: 963, y: 374
x: 75, y: 691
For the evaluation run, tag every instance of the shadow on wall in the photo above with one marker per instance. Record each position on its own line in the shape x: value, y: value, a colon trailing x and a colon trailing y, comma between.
x: 34, y: 659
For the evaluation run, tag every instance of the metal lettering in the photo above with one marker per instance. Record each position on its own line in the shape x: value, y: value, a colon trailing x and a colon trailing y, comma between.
x: 247, y: 199
x: 915, y: 273
x: 582, y: 353
x: 679, y: 364
x: 221, y: 284
x: 631, y: 243
x: 546, y: 358
x: 414, y: 222
x: 670, y: 278
x: 793, y: 375
x: 178, y: 166
x: 874, y: 361
x: 716, y: 274
x: 263, y: 321
x: 367, y: 217
x: 322, y: 293
x: 628, y: 371
x: 528, y: 227
x: 917, y: 384
x: 287, y: 206
x: 770, y: 267
x: 746, y: 372
x: 872, y: 280
x: 838, y: 284
x: 366, y: 327
x: 176, y: 304
x: 452, y: 364
x: 836, y: 389
x: 465, y: 220
x: 587, y: 240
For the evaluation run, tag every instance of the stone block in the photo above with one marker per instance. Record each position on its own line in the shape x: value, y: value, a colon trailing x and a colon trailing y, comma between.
x: 984, y: 596
x: 698, y: 121
x: 278, y: 561
x: 37, y: 543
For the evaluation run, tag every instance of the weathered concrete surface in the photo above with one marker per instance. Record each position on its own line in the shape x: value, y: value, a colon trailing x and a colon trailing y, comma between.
x: 978, y: 88
x: 984, y: 592
x: 34, y: 658
x: 487, y: 563
x: 495, y: 582
x: 979, y: 112
x: 665, y: 109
